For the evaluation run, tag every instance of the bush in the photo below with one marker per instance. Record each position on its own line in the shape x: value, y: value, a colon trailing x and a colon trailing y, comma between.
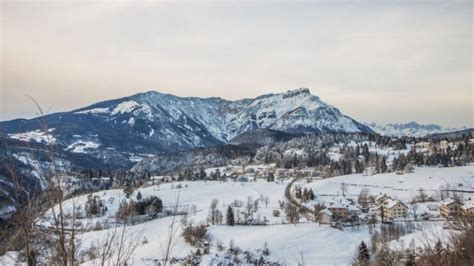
x: 276, y: 213
x: 195, y: 235
x: 151, y: 206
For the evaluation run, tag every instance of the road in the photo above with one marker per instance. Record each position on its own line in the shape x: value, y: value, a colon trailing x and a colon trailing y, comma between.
x: 307, y: 212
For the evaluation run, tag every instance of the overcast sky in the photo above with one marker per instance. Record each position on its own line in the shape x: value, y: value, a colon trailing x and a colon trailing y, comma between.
x: 376, y: 62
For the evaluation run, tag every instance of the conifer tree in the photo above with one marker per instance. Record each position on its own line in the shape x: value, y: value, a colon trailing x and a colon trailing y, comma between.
x: 383, y: 165
x: 128, y: 190
x: 139, y: 196
x: 363, y: 256
x: 311, y: 194
x: 230, y: 216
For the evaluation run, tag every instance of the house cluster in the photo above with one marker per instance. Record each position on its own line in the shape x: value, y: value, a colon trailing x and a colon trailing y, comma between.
x: 452, y: 209
x: 269, y: 172
x: 341, y: 209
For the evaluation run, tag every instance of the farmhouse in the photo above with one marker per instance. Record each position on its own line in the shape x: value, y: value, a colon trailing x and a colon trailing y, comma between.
x: 450, y: 208
x: 339, y: 211
x: 394, y: 209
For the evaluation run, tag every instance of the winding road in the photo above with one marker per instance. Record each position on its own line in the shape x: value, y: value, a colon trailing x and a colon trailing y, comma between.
x: 307, y: 212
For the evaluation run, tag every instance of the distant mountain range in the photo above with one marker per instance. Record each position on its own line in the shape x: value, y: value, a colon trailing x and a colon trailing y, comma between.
x: 411, y: 129
x: 154, y: 122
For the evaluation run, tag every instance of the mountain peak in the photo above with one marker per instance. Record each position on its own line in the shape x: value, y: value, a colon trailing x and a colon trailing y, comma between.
x: 152, y: 121
x: 293, y: 93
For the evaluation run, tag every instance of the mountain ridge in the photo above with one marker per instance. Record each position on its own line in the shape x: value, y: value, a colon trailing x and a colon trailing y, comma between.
x: 411, y: 129
x: 153, y: 122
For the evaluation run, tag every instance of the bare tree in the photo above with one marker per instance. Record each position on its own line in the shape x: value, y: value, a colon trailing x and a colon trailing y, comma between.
x: 62, y: 235
x: 117, y: 246
x: 172, y: 232
x: 343, y: 189
x: 363, y: 198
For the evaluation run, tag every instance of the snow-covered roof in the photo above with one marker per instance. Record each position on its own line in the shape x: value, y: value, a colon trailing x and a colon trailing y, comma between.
x: 468, y: 205
x: 326, y: 211
x: 353, y: 208
x: 449, y: 201
x: 337, y: 205
x: 391, y: 203
x: 381, y: 196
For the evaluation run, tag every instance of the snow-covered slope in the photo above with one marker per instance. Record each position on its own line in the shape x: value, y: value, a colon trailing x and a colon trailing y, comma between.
x: 403, y: 187
x: 317, y: 244
x: 412, y: 129
x: 154, y: 122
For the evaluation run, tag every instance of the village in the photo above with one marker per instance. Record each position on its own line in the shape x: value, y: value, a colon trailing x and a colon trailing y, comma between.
x: 451, y: 203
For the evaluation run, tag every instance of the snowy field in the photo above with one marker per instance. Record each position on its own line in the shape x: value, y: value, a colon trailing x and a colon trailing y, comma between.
x: 402, y: 187
x: 290, y: 244
x: 317, y: 245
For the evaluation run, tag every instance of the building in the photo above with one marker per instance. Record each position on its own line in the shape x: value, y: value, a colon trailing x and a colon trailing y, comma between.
x: 394, y: 209
x: 342, y: 207
x: 450, y: 208
x: 380, y: 199
x: 468, y: 210
x: 339, y: 211
x: 325, y: 216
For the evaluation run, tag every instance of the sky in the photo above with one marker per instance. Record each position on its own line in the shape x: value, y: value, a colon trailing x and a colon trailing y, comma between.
x: 377, y: 61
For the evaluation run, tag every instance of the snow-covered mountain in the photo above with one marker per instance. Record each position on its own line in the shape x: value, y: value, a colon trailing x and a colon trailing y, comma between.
x: 154, y: 122
x: 412, y: 129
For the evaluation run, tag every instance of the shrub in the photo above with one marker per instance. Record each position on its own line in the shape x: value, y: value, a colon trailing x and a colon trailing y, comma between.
x: 195, y: 235
x: 151, y: 206
x: 276, y: 213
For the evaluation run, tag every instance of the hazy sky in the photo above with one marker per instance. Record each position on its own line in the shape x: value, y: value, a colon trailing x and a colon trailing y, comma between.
x: 375, y: 61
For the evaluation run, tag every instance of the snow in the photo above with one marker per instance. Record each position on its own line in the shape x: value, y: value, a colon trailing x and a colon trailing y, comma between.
x: 318, y: 244
x: 133, y: 107
x: 36, y: 135
x: 228, y: 119
x: 412, y: 129
x: 428, y: 235
x: 402, y: 187
x: 285, y: 241
x: 131, y: 121
x: 7, y: 211
x: 95, y: 111
x: 125, y: 107
x: 82, y: 146
x: 10, y: 258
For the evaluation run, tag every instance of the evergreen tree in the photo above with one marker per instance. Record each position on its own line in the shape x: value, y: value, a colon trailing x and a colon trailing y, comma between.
x: 128, y: 190
x: 230, y: 216
x: 383, y: 165
x: 311, y: 194
x: 363, y: 256
x: 270, y: 177
x: 139, y: 196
